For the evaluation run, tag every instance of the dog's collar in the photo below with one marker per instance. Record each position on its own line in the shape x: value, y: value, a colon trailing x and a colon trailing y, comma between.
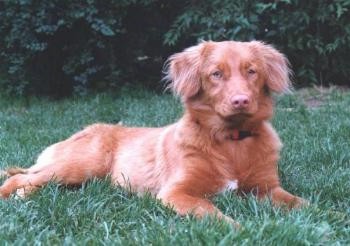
x: 237, y: 135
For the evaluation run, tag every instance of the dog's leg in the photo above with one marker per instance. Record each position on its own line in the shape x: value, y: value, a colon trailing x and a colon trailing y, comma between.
x: 85, y: 155
x: 281, y: 197
x: 184, y: 204
x: 26, y: 182
x: 68, y: 173
x: 67, y: 170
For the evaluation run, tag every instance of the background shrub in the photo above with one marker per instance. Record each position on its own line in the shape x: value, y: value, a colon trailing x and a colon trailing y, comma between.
x: 58, y: 47
x: 315, y: 35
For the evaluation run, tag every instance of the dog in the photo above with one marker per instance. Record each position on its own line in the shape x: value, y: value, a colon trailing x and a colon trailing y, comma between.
x: 223, y: 141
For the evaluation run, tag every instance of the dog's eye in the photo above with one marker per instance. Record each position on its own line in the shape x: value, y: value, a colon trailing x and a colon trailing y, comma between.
x: 217, y: 74
x: 251, y: 71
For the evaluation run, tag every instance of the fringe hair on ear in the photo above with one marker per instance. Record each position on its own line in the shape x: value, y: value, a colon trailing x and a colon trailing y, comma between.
x: 182, y: 71
x: 276, y: 67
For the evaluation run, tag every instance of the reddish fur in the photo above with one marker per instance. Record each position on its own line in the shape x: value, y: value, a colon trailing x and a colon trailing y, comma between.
x: 185, y: 163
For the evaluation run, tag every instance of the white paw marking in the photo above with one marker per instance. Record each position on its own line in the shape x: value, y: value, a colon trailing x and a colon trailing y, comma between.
x: 230, y: 186
x: 21, y: 193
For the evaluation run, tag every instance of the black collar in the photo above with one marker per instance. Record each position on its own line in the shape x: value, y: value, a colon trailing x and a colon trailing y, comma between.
x: 237, y: 135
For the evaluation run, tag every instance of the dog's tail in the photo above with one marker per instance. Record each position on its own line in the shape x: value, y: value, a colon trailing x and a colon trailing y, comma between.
x: 13, y: 171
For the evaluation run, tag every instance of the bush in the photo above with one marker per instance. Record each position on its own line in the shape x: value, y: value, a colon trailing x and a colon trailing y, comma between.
x: 48, y: 42
x: 56, y: 47
x: 59, y: 47
x: 314, y: 34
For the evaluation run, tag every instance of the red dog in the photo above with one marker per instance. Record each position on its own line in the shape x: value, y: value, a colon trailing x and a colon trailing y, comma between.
x: 223, y: 141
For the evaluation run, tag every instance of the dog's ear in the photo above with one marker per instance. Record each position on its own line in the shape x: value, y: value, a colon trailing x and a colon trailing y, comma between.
x: 182, y: 71
x: 276, y: 67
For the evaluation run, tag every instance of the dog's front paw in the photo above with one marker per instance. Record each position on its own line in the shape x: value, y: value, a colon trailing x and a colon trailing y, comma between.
x: 300, y: 202
x: 232, y: 222
x: 3, y: 174
x: 2, y: 196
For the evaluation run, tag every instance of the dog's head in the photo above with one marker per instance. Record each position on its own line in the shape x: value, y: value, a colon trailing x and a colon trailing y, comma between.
x: 233, y: 79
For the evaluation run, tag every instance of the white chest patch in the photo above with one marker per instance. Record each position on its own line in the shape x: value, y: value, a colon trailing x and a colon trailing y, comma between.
x: 231, y: 185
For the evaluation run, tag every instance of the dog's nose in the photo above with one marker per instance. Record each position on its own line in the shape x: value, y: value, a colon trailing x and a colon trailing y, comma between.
x: 240, y: 101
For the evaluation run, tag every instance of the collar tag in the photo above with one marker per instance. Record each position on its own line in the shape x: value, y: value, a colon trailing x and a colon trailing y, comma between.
x: 240, y: 135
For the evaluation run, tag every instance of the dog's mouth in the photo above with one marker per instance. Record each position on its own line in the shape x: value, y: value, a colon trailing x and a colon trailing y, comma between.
x: 236, y: 117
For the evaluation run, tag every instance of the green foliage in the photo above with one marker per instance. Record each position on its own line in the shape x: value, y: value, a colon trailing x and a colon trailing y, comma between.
x: 58, y: 47
x: 42, y: 38
x: 315, y: 164
x: 55, y: 46
x: 315, y: 35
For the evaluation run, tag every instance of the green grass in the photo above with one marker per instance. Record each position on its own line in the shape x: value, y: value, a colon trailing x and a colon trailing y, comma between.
x: 315, y: 164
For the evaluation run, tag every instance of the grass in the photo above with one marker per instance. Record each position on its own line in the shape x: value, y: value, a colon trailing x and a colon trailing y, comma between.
x: 315, y: 164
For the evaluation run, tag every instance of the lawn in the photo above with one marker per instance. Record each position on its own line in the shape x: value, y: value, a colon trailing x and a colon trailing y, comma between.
x: 314, y: 125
